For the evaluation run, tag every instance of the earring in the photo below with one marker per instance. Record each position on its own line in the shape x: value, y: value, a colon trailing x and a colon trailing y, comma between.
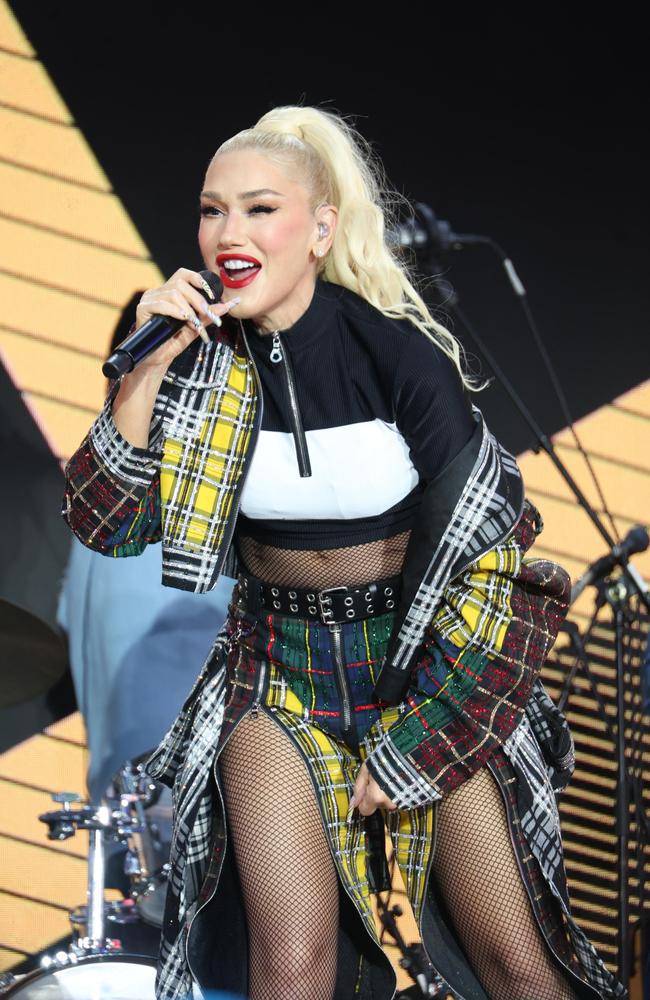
x: 323, y: 230
x: 319, y: 251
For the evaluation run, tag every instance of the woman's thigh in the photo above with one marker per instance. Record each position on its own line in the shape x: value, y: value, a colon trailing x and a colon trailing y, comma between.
x: 477, y: 871
x: 287, y: 874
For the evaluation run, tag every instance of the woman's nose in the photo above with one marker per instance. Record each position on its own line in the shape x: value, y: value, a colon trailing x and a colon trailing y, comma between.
x: 232, y: 231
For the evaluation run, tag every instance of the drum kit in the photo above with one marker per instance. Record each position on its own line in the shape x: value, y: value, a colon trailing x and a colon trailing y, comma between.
x: 114, y: 945
x: 113, y: 948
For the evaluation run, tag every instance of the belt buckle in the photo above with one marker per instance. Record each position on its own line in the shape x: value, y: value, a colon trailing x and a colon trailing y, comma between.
x: 327, y: 615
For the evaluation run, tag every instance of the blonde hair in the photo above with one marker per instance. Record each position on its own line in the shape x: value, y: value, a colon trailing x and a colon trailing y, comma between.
x: 340, y: 168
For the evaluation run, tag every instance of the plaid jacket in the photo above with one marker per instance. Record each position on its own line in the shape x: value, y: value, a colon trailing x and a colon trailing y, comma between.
x: 184, y: 489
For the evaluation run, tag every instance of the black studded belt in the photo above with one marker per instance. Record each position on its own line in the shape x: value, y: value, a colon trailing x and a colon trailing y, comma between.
x: 332, y: 606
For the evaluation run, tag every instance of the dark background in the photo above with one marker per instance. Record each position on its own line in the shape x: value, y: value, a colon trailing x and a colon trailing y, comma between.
x: 534, y: 137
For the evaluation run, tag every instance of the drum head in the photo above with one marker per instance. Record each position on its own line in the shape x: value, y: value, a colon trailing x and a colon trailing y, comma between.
x: 101, y: 977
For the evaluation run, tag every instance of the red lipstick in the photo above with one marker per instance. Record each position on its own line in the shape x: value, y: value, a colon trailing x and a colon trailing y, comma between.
x: 240, y: 276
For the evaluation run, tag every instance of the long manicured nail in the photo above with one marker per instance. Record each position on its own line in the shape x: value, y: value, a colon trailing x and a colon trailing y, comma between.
x: 232, y: 302
x: 200, y: 329
x: 214, y: 319
x: 350, y: 815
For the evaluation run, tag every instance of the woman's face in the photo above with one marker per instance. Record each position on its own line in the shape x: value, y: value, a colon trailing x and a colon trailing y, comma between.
x: 258, y: 233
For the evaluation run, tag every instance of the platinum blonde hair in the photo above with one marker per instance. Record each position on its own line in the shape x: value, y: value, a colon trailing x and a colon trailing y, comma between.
x: 340, y: 168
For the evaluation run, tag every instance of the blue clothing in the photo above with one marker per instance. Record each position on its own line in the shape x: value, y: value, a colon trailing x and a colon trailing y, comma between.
x: 134, y: 647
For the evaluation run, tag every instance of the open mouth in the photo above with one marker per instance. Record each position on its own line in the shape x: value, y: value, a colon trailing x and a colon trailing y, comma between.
x: 237, y: 271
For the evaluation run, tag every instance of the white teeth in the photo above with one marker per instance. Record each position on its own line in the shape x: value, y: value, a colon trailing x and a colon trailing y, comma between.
x: 238, y: 265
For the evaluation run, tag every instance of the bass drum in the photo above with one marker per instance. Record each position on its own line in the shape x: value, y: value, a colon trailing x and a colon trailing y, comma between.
x: 94, y: 977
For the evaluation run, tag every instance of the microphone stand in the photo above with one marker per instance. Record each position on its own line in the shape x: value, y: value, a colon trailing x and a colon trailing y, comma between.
x: 617, y: 595
x: 413, y: 957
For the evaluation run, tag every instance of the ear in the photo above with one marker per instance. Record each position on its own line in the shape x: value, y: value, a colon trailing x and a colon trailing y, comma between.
x: 326, y: 220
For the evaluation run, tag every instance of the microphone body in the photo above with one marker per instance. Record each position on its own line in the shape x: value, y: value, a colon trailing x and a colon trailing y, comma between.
x: 156, y: 331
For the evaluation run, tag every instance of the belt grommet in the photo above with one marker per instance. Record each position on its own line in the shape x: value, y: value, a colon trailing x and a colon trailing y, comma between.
x: 292, y: 595
x: 311, y: 609
x: 348, y: 601
x: 275, y: 591
x: 311, y: 597
x: 390, y: 604
x: 388, y: 591
x: 370, y: 609
x: 276, y: 604
x: 368, y: 595
x: 293, y: 607
x: 349, y: 613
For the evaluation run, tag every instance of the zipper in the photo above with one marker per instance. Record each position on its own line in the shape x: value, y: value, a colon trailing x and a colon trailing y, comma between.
x: 254, y: 712
x: 442, y: 985
x: 574, y: 977
x: 344, y: 691
x: 278, y: 355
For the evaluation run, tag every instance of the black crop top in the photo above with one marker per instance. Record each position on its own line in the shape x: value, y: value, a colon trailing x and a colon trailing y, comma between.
x: 360, y: 411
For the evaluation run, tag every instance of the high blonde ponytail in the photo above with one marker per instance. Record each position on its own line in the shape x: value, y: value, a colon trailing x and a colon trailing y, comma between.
x: 341, y: 168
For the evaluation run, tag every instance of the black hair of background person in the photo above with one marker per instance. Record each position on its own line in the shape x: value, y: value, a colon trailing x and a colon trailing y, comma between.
x: 533, y: 136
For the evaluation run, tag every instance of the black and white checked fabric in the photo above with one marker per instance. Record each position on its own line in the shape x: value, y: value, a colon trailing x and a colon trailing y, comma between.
x: 483, y: 515
x: 184, y: 761
x: 540, y: 824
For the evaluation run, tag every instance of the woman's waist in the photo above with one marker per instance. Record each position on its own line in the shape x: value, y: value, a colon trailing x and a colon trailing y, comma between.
x: 322, y: 566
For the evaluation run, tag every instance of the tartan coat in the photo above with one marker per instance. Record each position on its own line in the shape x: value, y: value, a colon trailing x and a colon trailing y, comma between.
x: 184, y: 490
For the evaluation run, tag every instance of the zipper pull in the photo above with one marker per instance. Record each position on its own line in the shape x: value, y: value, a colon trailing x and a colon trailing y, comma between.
x: 276, y: 349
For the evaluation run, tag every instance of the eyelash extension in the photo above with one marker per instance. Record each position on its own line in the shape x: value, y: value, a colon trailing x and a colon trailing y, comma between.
x: 207, y: 210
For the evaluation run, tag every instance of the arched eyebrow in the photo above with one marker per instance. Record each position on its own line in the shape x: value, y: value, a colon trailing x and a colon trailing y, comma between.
x: 244, y: 196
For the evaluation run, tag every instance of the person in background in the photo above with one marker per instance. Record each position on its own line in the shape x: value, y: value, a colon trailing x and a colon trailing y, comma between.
x: 133, y: 644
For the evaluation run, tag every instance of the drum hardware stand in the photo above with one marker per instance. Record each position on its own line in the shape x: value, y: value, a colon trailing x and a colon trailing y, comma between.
x: 100, y: 822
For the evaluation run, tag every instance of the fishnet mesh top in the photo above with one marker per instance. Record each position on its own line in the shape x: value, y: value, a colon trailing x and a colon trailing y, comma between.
x: 348, y: 566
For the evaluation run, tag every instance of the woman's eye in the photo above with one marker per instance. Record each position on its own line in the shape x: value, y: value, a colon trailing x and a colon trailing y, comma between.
x: 211, y: 211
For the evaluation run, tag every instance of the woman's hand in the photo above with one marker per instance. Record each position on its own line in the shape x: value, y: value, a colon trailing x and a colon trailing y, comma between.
x: 368, y: 796
x: 184, y: 296
x: 179, y: 297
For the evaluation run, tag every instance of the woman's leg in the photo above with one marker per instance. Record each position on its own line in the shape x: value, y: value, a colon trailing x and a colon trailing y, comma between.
x: 477, y: 872
x: 288, y: 878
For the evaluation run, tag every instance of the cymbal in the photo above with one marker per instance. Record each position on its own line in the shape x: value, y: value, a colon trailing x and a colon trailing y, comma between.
x: 32, y: 656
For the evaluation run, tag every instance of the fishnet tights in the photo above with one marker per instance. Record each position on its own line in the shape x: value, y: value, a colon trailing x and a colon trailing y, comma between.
x: 290, y: 886
x: 288, y: 879
x: 477, y: 872
x: 349, y: 566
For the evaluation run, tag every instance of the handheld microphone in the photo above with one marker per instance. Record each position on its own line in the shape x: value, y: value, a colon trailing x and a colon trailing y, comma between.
x: 156, y: 331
